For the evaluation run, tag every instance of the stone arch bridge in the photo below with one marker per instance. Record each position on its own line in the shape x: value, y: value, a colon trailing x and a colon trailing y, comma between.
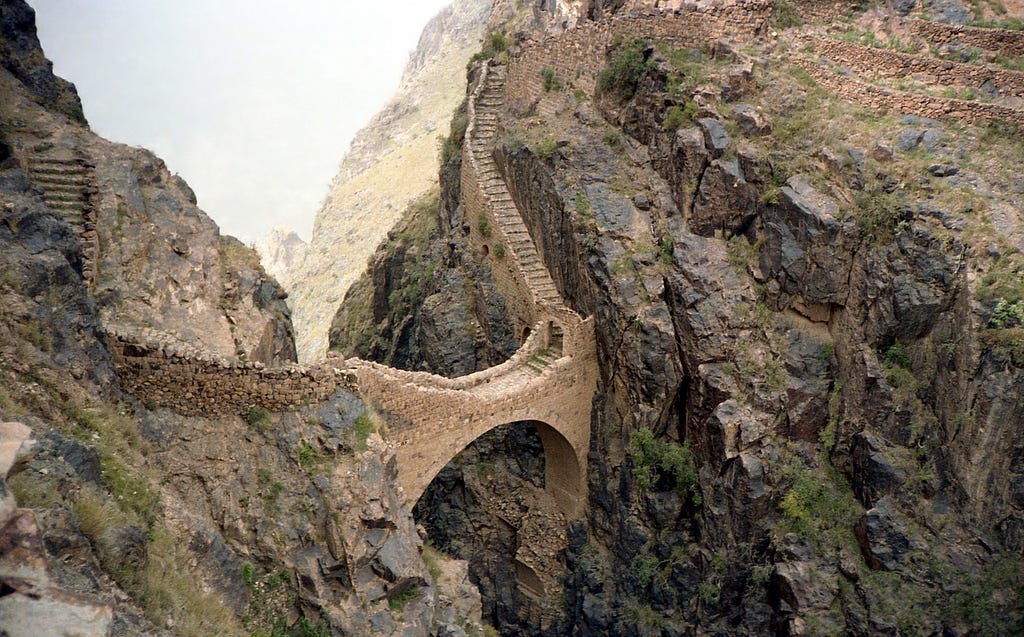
x: 550, y: 380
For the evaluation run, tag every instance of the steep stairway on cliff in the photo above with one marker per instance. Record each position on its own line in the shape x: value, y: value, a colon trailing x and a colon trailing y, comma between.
x: 67, y: 185
x: 502, y: 205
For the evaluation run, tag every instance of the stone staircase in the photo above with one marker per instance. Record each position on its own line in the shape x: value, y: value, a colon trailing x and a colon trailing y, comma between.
x: 519, y: 245
x: 67, y: 185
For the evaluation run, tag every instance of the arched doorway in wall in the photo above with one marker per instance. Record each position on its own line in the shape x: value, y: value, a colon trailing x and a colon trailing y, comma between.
x: 478, y: 507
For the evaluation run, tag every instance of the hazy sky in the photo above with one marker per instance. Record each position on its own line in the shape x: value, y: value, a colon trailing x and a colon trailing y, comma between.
x: 253, y: 102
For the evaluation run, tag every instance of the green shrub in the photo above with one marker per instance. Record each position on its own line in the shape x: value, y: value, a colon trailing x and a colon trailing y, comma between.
x: 310, y: 458
x: 614, y: 141
x: 623, y: 73
x: 678, y: 117
x: 399, y: 601
x: 363, y: 428
x: 896, y: 356
x: 813, y: 506
x: 483, y: 225
x: 551, y: 81
x: 258, y: 418
x: 546, y: 148
x: 494, y: 45
x: 1006, y: 314
x: 654, y: 460
x: 452, y: 144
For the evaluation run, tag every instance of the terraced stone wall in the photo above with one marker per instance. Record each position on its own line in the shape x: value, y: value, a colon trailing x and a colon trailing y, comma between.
x: 873, y: 96
x: 1001, y: 40
x: 887, y: 63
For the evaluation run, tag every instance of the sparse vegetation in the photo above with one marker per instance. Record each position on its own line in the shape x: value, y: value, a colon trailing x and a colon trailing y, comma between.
x: 483, y: 225
x: 657, y: 463
x: 365, y: 425
x: 623, y: 73
x: 258, y: 418
x: 546, y: 148
x: 495, y: 44
x: 818, y: 504
x: 551, y: 81
x: 398, y: 602
x: 310, y: 459
x: 680, y: 116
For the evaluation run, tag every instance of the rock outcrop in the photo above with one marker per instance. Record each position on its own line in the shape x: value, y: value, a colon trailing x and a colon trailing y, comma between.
x: 125, y: 519
x: 806, y: 340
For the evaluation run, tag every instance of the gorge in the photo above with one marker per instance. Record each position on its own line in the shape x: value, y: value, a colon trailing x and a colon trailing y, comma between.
x: 712, y: 324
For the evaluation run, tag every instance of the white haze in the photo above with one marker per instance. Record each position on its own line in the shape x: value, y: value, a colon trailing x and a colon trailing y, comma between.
x: 253, y: 102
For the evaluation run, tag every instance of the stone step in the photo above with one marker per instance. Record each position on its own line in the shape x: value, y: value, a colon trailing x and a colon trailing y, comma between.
x: 36, y: 169
x: 64, y: 187
x: 60, y: 180
x: 53, y: 195
x: 65, y: 204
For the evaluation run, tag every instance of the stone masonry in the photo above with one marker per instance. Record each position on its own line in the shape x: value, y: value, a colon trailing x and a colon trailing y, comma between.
x: 550, y: 381
x: 886, y: 63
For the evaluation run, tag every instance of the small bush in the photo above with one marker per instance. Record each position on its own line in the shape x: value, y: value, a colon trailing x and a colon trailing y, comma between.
x: 614, y: 141
x: 679, y: 117
x: 258, y: 418
x: 399, y: 601
x: 310, y: 458
x: 483, y: 225
x: 551, y: 81
x: 622, y: 75
x: 363, y: 428
x: 34, y: 333
x: 546, y: 148
x: 495, y: 44
x: 896, y: 356
x: 499, y: 251
x: 654, y: 461
x: 1006, y: 314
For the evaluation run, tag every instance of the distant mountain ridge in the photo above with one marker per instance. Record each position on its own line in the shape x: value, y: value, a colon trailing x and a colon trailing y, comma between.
x: 392, y: 161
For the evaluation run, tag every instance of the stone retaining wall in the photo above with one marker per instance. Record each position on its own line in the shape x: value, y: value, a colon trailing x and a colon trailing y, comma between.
x: 859, y: 92
x: 164, y: 375
x: 886, y: 63
x: 1000, y: 40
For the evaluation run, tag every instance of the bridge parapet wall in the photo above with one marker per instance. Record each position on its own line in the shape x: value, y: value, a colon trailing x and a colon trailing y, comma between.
x: 479, y: 209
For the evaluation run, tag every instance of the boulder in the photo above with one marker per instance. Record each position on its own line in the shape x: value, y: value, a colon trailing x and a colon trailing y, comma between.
x: 884, y: 536
x: 752, y: 121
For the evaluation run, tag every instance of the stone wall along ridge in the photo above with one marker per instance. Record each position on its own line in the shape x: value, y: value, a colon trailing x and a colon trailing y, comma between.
x: 886, y: 63
x: 163, y: 373
x: 859, y: 92
x: 1000, y: 40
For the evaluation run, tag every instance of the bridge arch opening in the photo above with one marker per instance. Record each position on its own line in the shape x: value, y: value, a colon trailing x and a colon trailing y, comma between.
x: 541, y: 455
x: 499, y: 502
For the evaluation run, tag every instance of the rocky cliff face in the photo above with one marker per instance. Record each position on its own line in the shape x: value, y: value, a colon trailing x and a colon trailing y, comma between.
x: 392, y: 162
x: 281, y: 250
x: 807, y: 319
x: 120, y: 519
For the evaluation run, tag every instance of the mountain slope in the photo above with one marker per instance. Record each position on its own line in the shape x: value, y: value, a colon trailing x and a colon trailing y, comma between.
x: 391, y: 162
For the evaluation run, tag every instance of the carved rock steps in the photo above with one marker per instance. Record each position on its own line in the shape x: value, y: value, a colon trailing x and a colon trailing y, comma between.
x: 67, y: 186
